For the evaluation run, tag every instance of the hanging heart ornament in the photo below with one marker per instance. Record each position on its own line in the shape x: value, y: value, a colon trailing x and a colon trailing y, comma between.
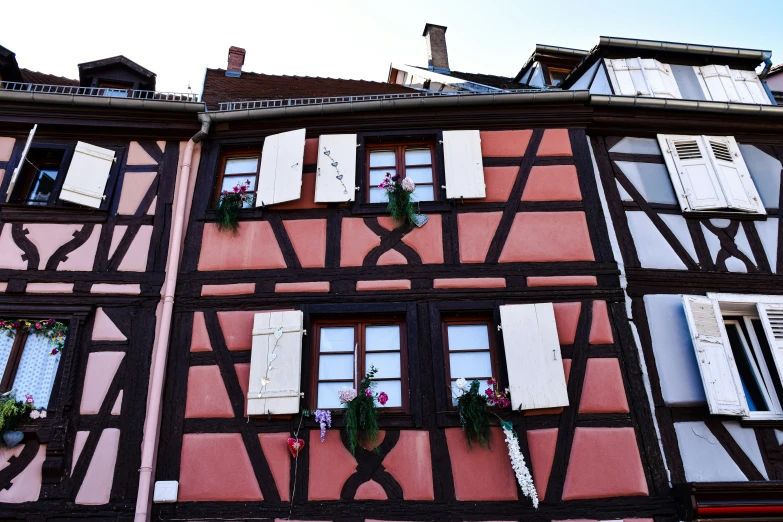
x: 279, y: 333
x: 271, y: 357
x: 295, y: 445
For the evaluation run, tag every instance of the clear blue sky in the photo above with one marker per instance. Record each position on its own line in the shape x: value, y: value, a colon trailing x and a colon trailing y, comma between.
x: 355, y: 39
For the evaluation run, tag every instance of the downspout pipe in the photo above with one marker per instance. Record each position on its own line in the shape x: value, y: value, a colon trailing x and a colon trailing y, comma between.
x: 763, y: 77
x: 158, y: 369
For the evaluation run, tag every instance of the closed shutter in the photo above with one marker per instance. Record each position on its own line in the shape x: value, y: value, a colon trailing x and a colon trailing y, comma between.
x: 627, y: 77
x: 733, y: 175
x: 280, y: 178
x: 660, y: 79
x: 772, y: 320
x: 336, y: 174
x: 275, y: 363
x: 717, y: 83
x: 719, y: 374
x: 692, y: 172
x: 85, y: 182
x: 463, y: 164
x: 535, y: 368
x: 750, y: 88
x: 19, y: 165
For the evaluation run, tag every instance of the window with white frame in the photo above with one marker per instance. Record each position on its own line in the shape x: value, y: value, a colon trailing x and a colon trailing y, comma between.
x: 738, y: 341
x: 709, y: 173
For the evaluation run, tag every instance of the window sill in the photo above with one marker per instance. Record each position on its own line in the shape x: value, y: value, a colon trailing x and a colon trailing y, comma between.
x: 376, y: 209
x: 450, y: 418
x: 11, y: 213
x: 389, y: 420
x: 768, y: 422
x: 724, y: 214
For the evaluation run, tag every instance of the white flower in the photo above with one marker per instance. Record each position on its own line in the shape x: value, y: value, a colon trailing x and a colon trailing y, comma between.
x: 408, y: 185
x: 346, y: 395
x: 35, y: 414
x: 43, y: 414
x: 520, y: 468
x: 461, y: 384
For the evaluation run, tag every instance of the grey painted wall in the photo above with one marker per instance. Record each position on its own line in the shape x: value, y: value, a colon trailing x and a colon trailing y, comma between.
x: 703, y: 457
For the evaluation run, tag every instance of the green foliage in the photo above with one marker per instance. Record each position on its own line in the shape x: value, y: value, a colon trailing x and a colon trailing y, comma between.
x: 361, y: 416
x: 13, y: 411
x: 400, y: 206
x: 227, y: 213
x: 474, y: 415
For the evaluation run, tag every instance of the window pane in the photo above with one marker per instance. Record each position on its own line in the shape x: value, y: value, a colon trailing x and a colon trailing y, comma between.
x: 42, y: 187
x: 377, y: 175
x: 338, y: 339
x: 229, y: 182
x: 419, y: 174
x: 423, y: 193
x: 331, y: 367
x: 378, y: 195
x: 6, y: 343
x: 418, y: 157
x: 456, y: 392
x: 388, y: 364
x: 470, y: 364
x: 750, y: 384
x: 327, y: 394
x: 393, y: 389
x: 37, y: 370
x: 382, y: 158
x: 468, y: 337
x: 241, y: 165
x: 382, y: 338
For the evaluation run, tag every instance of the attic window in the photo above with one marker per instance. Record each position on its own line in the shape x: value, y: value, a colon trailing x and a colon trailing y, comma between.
x: 116, y: 89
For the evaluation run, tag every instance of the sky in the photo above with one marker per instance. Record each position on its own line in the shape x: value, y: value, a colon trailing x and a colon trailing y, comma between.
x: 359, y: 39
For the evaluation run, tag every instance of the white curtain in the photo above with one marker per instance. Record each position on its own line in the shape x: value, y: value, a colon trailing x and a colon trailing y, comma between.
x: 37, y: 370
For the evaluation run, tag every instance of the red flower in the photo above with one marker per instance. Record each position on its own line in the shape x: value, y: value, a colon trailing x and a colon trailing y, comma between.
x: 38, y: 326
x: 383, y: 398
x: 368, y: 392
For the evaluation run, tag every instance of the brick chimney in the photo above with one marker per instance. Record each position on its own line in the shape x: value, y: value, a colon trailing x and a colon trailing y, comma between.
x: 437, y: 56
x: 236, y: 57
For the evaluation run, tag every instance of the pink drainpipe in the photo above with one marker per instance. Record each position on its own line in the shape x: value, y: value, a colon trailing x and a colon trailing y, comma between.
x: 161, y: 350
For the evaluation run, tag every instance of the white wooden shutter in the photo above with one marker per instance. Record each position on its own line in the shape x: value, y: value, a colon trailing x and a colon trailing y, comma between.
x: 85, y: 182
x: 463, y: 164
x: 733, y: 175
x: 535, y: 367
x: 275, y: 363
x: 336, y: 175
x: 719, y: 374
x: 692, y: 172
x: 280, y: 178
x: 717, y: 83
x: 19, y: 165
x: 660, y: 79
x: 749, y: 87
x: 772, y: 320
x: 627, y: 77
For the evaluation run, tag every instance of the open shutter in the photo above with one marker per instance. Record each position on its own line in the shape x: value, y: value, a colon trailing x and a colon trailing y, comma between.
x: 275, y: 363
x: 19, y: 165
x: 772, y: 320
x: 749, y: 87
x: 719, y: 374
x: 717, y: 83
x: 733, y: 175
x: 336, y: 178
x: 660, y: 79
x: 627, y: 77
x: 280, y: 178
x: 535, y: 368
x: 85, y: 182
x: 463, y: 164
x: 692, y: 172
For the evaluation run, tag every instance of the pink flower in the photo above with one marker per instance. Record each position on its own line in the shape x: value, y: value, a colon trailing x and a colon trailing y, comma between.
x: 28, y: 399
x: 368, y: 392
x: 383, y: 398
x: 492, y: 381
x: 37, y: 326
x: 236, y: 189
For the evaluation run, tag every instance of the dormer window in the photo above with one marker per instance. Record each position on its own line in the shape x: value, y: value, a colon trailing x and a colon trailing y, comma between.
x: 115, y: 89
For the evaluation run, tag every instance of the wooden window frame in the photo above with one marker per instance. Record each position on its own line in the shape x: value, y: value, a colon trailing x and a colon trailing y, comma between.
x: 400, y: 167
x: 360, y: 324
x: 232, y: 154
x: 476, y: 319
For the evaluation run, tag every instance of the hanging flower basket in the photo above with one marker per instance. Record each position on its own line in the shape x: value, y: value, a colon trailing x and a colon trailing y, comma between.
x: 231, y: 202
x: 399, y: 193
x: 474, y: 409
x: 361, y: 414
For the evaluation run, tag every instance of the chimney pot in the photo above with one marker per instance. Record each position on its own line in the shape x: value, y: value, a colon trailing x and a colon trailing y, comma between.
x: 236, y: 58
x: 437, y: 56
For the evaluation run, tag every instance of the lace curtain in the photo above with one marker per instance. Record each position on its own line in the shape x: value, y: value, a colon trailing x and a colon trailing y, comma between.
x: 37, y: 369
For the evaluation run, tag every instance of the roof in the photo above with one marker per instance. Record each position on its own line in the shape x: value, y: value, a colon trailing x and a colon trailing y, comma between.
x: 255, y: 86
x: 552, y: 54
x: 500, y: 82
x: 29, y: 76
x: 117, y: 60
x: 776, y: 69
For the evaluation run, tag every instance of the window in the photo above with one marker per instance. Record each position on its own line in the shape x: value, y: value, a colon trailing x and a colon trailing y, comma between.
x: 411, y: 160
x: 557, y: 75
x: 115, y: 89
x: 470, y: 351
x: 28, y: 365
x: 237, y: 168
x: 709, y: 173
x: 344, y: 352
x: 37, y: 184
x: 748, y: 346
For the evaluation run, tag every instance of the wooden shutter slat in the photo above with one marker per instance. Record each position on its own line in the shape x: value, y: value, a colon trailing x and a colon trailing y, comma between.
x: 717, y: 367
x: 342, y: 150
x: 19, y: 166
x: 463, y: 164
x: 280, y: 175
x: 733, y: 175
x: 87, y: 175
x: 533, y: 360
x: 660, y: 79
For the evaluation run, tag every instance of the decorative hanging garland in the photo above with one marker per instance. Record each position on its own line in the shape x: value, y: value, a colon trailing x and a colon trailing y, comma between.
x: 53, y: 330
x: 334, y: 164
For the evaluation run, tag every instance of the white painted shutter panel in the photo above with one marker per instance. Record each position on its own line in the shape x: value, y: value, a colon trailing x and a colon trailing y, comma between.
x: 692, y: 172
x: 717, y: 83
x: 19, y: 166
x: 660, y: 79
x: 772, y: 320
x: 535, y: 368
x: 733, y: 175
x: 463, y: 164
x: 627, y: 77
x: 85, y: 182
x: 275, y: 363
x: 280, y: 178
x: 336, y: 175
x: 719, y: 374
x: 750, y: 88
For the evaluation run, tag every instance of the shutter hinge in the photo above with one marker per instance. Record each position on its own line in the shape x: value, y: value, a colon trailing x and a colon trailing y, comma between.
x: 304, y: 332
x: 500, y: 327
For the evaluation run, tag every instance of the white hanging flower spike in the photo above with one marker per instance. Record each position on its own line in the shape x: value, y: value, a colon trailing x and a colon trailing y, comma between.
x: 518, y: 464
